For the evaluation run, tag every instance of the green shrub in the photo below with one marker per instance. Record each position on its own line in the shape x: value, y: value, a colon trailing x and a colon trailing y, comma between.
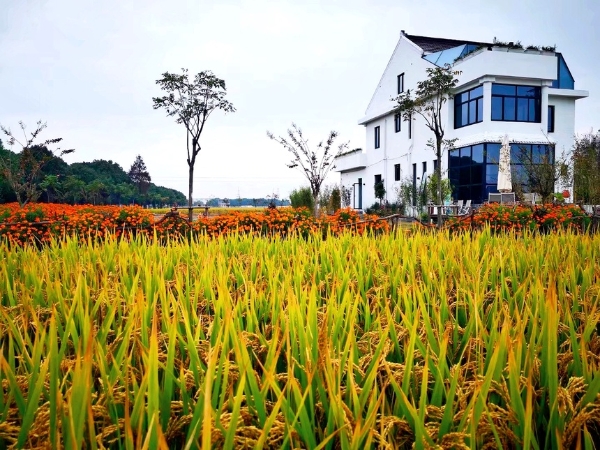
x: 302, y: 198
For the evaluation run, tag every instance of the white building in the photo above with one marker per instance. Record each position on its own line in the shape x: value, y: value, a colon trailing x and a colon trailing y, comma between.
x: 528, y: 95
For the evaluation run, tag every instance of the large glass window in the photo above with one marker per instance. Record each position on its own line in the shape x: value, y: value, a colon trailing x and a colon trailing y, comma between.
x: 516, y: 103
x: 468, y: 107
x: 473, y: 170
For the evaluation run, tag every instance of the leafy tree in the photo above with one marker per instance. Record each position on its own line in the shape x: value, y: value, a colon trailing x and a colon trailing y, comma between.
x: 51, y: 186
x: 433, y: 187
x: 540, y: 172
x: 315, y: 167
x: 408, y: 194
x: 96, y: 191
x: 123, y: 193
x: 23, y: 174
x: 192, y: 102
x: 335, y: 201
x: 586, y: 169
x: 7, y: 194
x: 302, y: 198
x: 379, y: 191
x: 74, y: 189
x: 138, y: 173
x: 429, y: 102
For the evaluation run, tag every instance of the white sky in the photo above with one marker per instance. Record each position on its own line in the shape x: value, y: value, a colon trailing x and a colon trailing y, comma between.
x: 88, y: 68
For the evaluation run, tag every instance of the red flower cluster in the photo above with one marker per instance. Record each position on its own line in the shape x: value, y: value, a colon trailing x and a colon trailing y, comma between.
x: 41, y: 222
x: 517, y: 218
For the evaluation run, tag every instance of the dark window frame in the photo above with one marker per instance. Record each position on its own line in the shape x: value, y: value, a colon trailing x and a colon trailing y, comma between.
x: 410, y: 127
x: 424, y: 167
x: 515, y: 97
x: 551, y: 118
x: 397, y: 172
x: 397, y: 123
x: 400, y: 83
x: 471, y: 103
x: 377, y: 136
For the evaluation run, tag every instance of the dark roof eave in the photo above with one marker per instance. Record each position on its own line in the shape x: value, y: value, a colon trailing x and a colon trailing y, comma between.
x: 433, y: 44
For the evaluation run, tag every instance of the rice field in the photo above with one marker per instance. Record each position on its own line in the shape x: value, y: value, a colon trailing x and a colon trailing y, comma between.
x: 353, y: 342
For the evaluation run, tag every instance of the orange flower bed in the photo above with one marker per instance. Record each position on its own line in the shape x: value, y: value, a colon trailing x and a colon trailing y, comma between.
x: 544, y: 218
x: 41, y: 222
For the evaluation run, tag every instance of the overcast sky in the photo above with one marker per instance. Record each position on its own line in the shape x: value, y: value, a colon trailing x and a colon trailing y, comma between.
x: 88, y: 68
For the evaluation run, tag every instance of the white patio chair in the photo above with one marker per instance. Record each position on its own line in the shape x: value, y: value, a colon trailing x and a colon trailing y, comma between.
x: 466, y: 209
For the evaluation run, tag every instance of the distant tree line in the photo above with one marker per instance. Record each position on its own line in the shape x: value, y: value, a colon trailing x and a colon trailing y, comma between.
x: 242, y: 202
x: 98, y: 182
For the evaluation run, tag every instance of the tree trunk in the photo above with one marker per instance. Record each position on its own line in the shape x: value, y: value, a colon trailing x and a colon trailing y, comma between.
x: 191, y: 190
x: 315, y: 205
x: 438, y: 173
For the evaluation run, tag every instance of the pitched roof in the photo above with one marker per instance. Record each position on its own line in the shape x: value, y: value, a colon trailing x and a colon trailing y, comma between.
x: 433, y: 44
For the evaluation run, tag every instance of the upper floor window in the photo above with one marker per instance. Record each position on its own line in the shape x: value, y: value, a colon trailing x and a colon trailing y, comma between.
x: 512, y: 103
x: 396, y: 172
x: 397, y: 123
x: 377, y: 137
x: 424, y: 167
x: 410, y: 127
x: 551, y: 113
x: 400, y: 83
x: 468, y: 107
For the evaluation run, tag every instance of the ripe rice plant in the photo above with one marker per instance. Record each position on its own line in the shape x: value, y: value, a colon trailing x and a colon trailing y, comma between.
x: 355, y: 341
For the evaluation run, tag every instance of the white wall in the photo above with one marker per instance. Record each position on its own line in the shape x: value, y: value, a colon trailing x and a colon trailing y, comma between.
x: 507, y: 63
x: 405, y: 59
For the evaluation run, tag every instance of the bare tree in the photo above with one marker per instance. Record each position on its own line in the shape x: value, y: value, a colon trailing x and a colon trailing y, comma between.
x: 428, y: 102
x: 191, y: 102
x: 23, y: 173
x: 314, y: 166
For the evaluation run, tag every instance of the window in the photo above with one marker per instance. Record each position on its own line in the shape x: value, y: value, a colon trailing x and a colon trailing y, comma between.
x: 396, y: 172
x: 377, y: 137
x: 410, y: 127
x: 400, y: 83
x: 397, y: 123
x: 377, y: 179
x: 435, y: 163
x: 424, y: 167
x: 550, y: 118
x: 473, y: 170
x: 516, y: 103
x: 468, y: 107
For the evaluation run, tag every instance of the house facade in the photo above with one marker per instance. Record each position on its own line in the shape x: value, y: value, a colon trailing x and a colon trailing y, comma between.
x: 527, y: 94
